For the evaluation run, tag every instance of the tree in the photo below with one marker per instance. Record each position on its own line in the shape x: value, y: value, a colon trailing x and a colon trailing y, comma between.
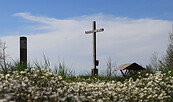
x: 110, y: 67
x: 155, y: 64
x: 169, y: 51
x: 3, y: 64
x: 166, y: 63
x: 168, y: 58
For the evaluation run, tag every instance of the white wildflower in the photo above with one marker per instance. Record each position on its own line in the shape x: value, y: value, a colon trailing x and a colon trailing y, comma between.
x: 7, y: 76
x: 22, y: 72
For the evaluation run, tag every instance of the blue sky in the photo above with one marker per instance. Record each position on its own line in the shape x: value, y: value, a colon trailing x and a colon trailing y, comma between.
x: 134, y: 29
x: 156, y: 9
x: 64, y: 9
x: 159, y: 9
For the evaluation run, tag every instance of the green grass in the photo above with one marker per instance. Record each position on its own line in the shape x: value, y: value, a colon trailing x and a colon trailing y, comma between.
x: 69, y: 75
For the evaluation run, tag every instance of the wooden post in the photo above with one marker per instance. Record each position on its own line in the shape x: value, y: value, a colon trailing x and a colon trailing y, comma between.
x: 23, y: 50
x: 123, y: 73
x: 94, y: 71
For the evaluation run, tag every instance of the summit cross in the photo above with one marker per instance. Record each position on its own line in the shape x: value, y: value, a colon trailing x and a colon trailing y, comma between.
x: 94, y: 71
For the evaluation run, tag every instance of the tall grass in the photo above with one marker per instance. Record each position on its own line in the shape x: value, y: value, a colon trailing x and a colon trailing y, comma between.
x: 15, y: 66
x: 61, y: 69
x: 68, y: 74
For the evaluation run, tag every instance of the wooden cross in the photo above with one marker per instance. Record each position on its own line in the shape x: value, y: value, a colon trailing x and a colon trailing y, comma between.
x: 94, y: 71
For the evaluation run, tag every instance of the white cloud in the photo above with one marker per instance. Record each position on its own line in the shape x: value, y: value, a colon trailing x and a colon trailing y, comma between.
x: 124, y: 39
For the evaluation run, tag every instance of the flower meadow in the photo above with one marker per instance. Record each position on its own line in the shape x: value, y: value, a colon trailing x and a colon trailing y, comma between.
x: 33, y: 85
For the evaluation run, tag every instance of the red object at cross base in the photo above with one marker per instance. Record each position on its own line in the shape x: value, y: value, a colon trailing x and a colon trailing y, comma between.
x: 97, y: 62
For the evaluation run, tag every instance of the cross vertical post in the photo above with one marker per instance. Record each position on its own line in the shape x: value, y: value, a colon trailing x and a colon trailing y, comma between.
x: 94, y: 46
x: 94, y: 71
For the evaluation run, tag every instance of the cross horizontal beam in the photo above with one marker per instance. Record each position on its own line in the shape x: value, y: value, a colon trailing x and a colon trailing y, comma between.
x: 92, y: 31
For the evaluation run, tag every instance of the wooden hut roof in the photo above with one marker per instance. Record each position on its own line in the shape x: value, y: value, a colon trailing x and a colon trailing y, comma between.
x: 130, y: 66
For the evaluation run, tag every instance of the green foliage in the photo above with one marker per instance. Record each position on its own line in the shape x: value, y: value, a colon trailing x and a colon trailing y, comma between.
x: 168, y: 58
x: 89, y: 78
x: 40, y: 66
x: 60, y: 70
x: 167, y: 69
x: 167, y: 62
x: 63, y: 71
x: 17, y: 66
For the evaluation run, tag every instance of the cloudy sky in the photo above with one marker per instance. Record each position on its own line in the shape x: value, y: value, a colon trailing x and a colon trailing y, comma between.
x: 134, y: 30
